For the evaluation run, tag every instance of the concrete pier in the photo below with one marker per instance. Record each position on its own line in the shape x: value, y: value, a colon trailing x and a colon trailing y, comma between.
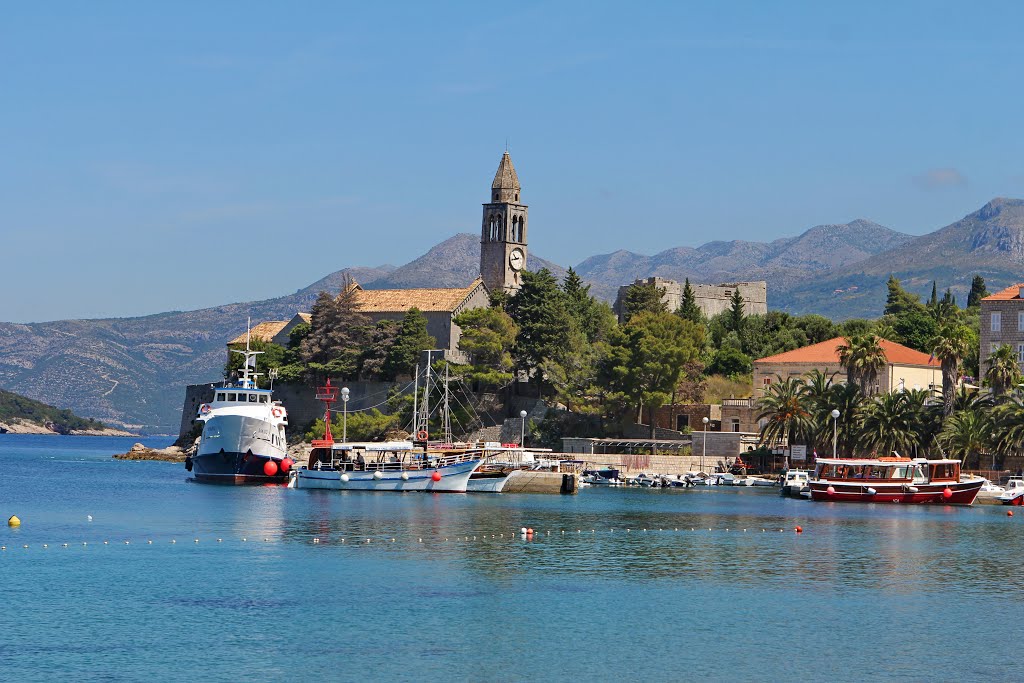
x: 529, y: 481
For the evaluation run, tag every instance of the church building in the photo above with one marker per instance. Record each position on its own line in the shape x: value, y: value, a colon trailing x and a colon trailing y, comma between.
x: 502, y: 259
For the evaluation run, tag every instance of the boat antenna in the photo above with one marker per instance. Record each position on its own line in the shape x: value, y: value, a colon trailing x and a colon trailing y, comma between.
x: 250, y: 359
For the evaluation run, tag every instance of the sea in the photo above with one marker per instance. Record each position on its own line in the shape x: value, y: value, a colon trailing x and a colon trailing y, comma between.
x: 131, y: 571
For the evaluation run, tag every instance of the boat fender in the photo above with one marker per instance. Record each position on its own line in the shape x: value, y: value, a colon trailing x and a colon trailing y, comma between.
x: 831, y: 490
x: 913, y: 489
x: 344, y: 478
x: 871, y: 491
x: 378, y: 475
x: 947, y: 493
x: 405, y: 476
x: 436, y: 476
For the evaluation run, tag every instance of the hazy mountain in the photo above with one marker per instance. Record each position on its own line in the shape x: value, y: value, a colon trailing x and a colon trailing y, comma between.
x: 783, y: 261
x: 131, y: 371
x: 988, y: 242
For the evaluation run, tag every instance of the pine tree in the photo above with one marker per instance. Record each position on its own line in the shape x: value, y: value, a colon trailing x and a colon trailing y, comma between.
x: 735, y: 318
x: 336, y: 333
x: 688, y: 308
x: 643, y: 297
x: 539, y: 310
x: 411, y: 339
x: 935, y: 294
x: 899, y: 301
x: 595, y: 318
x: 978, y: 292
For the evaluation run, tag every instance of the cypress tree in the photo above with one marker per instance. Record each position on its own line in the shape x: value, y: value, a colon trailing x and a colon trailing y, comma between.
x: 688, y: 308
x: 735, y: 319
x: 978, y: 292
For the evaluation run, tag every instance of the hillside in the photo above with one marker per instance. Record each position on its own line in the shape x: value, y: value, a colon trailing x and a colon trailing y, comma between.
x: 780, y: 262
x: 988, y: 242
x: 17, y: 410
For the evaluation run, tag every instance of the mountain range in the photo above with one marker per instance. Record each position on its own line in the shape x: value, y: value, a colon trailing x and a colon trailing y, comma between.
x: 130, y: 371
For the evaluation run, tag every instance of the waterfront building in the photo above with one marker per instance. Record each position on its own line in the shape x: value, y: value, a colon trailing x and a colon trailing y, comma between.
x: 712, y: 299
x: 905, y: 369
x: 1002, y: 322
x: 272, y: 331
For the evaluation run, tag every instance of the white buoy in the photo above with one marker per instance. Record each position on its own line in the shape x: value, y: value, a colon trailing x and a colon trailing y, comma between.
x: 405, y: 476
x: 89, y: 517
x: 344, y: 478
x: 378, y: 475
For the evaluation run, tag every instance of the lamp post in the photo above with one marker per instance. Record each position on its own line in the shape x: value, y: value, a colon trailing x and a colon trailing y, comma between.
x: 344, y: 414
x: 522, y: 431
x: 704, y: 443
x: 835, y: 430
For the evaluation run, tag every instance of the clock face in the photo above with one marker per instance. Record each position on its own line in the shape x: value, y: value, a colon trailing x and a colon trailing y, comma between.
x: 516, y: 259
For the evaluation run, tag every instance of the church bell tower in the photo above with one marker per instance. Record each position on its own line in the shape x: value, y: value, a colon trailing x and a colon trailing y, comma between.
x: 503, y: 235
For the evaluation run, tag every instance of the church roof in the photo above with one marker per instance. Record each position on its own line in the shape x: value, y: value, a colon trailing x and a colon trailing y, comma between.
x: 1008, y: 294
x: 401, y: 300
x: 505, y: 178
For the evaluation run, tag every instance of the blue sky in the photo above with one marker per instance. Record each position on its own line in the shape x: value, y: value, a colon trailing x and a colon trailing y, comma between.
x: 150, y: 152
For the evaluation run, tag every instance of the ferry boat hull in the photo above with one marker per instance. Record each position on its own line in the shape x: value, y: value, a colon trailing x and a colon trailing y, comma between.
x: 234, y: 450
x: 487, y: 482
x: 453, y: 479
x: 961, y: 493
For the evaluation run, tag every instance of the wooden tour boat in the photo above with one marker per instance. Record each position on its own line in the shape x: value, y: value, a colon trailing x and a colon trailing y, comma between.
x: 893, y: 480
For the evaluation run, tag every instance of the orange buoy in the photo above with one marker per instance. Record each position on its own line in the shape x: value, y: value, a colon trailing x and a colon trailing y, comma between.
x: 947, y: 493
x: 799, y: 529
x: 1009, y: 513
x: 286, y: 465
x: 270, y: 468
x: 436, y: 476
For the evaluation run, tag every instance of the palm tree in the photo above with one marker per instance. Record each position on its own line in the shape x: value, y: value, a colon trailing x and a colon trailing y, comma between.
x: 951, y: 344
x: 889, y: 424
x: 849, y: 401
x: 818, y: 392
x: 927, y: 418
x: 784, y: 406
x: 863, y: 358
x: 1008, y: 426
x: 967, y: 433
x: 1003, y: 370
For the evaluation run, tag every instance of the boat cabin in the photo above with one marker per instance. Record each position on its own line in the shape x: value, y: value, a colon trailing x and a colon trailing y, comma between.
x: 238, y: 396
x: 918, y: 470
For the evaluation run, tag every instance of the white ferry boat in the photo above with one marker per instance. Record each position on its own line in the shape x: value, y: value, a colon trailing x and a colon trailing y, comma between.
x: 243, y: 439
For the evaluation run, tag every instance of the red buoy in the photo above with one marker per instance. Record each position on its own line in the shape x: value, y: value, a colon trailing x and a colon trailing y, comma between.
x: 831, y: 490
x: 1009, y: 513
x: 947, y: 493
x: 286, y: 465
x: 529, y: 532
x: 270, y: 468
x: 799, y: 530
x: 436, y: 476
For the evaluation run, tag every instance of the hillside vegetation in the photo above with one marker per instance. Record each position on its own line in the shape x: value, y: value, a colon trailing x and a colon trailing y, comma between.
x: 14, y: 407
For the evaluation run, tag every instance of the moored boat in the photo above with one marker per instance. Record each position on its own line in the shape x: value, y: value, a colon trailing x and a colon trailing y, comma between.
x: 793, y: 481
x: 243, y: 439
x: 1013, y: 493
x: 893, y: 480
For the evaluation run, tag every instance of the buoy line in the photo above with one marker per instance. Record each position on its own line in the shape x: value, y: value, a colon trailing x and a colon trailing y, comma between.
x: 527, y: 534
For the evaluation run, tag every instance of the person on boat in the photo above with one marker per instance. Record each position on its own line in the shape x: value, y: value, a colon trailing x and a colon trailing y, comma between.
x: 360, y: 461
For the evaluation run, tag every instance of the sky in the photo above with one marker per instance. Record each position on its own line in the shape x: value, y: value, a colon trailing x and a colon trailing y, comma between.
x: 174, y: 156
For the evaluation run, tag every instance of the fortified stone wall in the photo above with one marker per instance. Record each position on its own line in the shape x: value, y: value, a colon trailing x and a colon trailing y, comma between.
x: 712, y: 299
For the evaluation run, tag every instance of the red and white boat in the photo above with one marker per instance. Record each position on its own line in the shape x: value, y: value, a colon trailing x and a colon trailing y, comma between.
x: 893, y: 480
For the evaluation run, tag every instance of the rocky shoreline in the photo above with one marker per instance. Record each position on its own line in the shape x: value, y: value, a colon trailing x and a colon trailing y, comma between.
x: 25, y: 427
x: 141, y: 452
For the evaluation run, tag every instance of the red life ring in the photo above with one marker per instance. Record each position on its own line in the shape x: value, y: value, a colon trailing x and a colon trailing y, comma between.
x: 422, y: 435
x: 204, y: 409
x: 276, y: 412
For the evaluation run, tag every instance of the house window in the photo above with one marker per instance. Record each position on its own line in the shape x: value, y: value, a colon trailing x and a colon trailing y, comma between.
x: 1020, y: 353
x: 997, y: 321
x: 682, y: 422
x: 1020, y: 321
x: 735, y: 424
x: 767, y: 381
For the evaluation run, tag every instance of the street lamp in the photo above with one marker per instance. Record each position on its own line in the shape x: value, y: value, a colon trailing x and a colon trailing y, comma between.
x: 835, y: 430
x: 704, y: 443
x: 344, y: 414
x: 522, y: 432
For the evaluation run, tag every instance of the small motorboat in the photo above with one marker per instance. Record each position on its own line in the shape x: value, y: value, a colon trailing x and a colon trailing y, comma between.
x: 1013, y: 494
x: 793, y: 482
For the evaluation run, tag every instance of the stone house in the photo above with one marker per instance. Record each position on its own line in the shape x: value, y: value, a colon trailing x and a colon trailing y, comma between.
x: 273, y: 331
x: 1002, y: 322
x: 712, y: 299
x: 906, y: 368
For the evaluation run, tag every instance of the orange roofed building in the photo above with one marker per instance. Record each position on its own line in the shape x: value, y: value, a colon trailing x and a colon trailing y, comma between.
x: 1002, y: 322
x: 906, y: 368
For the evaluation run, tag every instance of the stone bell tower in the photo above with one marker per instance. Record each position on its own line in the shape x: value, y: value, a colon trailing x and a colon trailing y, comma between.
x: 503, y: 235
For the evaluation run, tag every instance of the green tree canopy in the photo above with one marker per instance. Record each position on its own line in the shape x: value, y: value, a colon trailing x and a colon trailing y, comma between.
x: 488, y: 335
x: 977, y: 293
x: 1003, y: 372
x: 688, y: 308
x: 735, y: 317
x: 410, y: 340
x: 643, y: 297
x: 540, y: 312
x: 336, y: 334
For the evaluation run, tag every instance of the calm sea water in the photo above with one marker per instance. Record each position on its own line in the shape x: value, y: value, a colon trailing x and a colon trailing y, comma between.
x: 865, y: 593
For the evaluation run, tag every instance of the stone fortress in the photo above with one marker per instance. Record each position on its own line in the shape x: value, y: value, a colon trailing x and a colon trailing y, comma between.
x: 712, y: 299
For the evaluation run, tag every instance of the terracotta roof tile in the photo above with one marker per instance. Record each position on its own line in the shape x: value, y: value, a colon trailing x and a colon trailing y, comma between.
x: 827, y: 352
x: 264, y: 331
x: 396, y: 300
x: 1006, y: 295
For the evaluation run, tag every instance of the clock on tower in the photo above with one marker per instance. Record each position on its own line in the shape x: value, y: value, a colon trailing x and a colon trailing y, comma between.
x: 503, y: 235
